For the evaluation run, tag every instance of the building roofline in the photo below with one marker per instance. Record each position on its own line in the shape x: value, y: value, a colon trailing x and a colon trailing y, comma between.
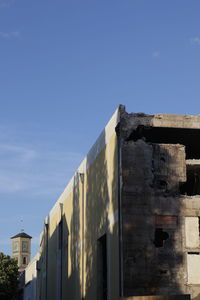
x: 22, y: 235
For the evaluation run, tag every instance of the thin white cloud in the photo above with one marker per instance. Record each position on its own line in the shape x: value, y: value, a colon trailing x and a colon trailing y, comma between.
x: 10, y: 34
x: 31, y: 169
x: 195, y: 40
x: 21, y: 153
x: 39, y: 176
x: 156, y: 54
x: 6, y: 3
x: 12, y: 183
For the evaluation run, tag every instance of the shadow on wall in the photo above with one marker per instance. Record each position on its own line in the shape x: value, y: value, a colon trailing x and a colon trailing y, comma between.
x: 75, y: 244
x: 101, y: 241
x: 30, y: 289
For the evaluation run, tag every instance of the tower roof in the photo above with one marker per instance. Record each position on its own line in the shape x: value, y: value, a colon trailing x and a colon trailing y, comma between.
x: 22, y: 235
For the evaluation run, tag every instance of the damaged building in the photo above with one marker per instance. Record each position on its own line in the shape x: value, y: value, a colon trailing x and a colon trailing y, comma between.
x: 127, y: 226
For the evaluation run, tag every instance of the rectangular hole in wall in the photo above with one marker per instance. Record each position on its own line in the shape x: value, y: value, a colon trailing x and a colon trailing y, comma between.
x: 159, y: 237
x: 162, y: 224
x: 192, y: 186
x: 102, y: 288
x: 164, y: 135
x: 164, y: 273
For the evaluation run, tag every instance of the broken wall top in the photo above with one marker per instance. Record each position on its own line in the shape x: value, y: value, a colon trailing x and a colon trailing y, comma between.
x: 131, y: 121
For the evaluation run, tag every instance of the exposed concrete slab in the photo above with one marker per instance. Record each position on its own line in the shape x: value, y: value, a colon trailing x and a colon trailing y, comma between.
x: 193, y: 162
x: 159, y: 297
x: 193, y: 267
x: 176, y: 121
x: 192, y: 232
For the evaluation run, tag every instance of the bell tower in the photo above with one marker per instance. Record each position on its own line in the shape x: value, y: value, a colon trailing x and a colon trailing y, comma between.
x: 21, y: 249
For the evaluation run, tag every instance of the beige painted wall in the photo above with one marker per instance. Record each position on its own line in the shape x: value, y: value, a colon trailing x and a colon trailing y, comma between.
x: 88, y: 209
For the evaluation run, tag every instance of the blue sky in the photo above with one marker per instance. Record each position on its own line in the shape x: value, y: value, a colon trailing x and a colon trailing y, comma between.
x: 65, y: 66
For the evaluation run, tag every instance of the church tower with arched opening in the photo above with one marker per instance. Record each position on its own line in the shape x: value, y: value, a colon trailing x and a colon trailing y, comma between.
x: 21, y: 249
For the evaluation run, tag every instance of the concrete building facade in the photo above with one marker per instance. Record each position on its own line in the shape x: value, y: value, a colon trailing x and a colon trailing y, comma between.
x: 128, y: 222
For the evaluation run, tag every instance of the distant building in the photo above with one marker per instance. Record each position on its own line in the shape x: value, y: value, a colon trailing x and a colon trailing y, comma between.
x: 21, y: 249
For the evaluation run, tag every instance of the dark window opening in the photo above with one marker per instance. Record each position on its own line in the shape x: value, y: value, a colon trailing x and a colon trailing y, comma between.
x: 164, y: 135
x: 162, y: 184
x: 163, y: 272
x: 162, y: 159
x: 194, y: 253
x: 160, y: 237
x: 102, y: 268
x: 24, y: 260
x: 192, y: 186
